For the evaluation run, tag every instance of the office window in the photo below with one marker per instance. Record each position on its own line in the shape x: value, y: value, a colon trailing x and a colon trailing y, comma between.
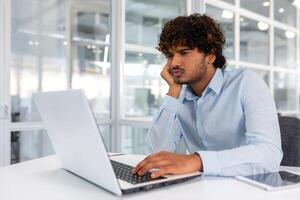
x: 134, y: 140
x: 91, y: 63
x: 143, y: 86
x: 93, y: 25
x: 38, y: 53
x: 261, y: 7
x: 28, y: 145
x: 226, y: 20
x: 254, y: 41
x: 285, y: 48
x: 24, y: 81
x: 285, y: 12
x: 285, y: 90
x: 39, y: 58
x: 144, y: 19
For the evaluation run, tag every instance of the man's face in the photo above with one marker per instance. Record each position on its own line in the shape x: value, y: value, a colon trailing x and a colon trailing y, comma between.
x: 187, y: 66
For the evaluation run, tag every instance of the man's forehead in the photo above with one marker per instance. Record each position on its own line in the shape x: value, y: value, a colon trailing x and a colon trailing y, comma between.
x: 179, y: 48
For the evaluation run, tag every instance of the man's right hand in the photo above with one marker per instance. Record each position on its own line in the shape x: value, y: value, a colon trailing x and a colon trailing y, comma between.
x: 174, y: 88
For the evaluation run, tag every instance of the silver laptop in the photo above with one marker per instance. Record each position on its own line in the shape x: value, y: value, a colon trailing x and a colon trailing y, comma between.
x: 78, y: 144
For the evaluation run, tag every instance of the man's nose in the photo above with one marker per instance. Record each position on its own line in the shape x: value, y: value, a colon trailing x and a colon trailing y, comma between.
x: 175, y: 61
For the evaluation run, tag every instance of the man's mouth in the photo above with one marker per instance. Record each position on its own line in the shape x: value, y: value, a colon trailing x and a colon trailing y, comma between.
x: 176, y: 72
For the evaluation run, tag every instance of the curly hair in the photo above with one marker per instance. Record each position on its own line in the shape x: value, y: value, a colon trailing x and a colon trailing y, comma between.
x: 194, y: 31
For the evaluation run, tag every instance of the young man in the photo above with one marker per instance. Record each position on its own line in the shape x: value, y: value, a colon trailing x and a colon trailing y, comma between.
x: 227, y: 119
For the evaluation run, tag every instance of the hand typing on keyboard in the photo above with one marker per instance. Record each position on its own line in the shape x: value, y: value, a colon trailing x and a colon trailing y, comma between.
x: 168, y: 163
x: 124, y: 172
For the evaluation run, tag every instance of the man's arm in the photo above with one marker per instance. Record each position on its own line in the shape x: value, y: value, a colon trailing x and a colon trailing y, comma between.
x: 164, y: 133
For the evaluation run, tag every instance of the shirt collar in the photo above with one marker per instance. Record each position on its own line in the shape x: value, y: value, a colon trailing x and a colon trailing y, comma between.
x: 216, y: 82
x: 215, y: 85
x: 188, y: 94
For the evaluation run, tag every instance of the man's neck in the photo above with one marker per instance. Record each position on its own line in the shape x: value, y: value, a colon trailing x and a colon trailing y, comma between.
x: 201, y: 85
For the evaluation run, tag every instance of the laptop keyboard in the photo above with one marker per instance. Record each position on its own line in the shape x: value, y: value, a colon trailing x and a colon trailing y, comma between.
x: 124, y: 172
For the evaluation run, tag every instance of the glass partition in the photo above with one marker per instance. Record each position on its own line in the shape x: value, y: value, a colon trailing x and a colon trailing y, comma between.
x: 261, y: 7
x: 91, y: 54
x: 226, y: 20
x: 285, y: 90
x: 143, y: 86
x: 38, y: 53
x: 285, y: 48
x: 28, y: 145
x: 285, y: 12
x: 254, y: 41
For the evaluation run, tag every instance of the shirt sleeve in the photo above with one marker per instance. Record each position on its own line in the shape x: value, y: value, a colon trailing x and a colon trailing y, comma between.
x: 261, y: 151
x: 164, y: 133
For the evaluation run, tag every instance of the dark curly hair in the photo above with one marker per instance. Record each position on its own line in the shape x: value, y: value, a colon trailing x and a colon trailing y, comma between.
x: 194, y: 31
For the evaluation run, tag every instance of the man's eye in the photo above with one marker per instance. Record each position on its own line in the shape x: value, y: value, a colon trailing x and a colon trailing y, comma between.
x: 183, y: 53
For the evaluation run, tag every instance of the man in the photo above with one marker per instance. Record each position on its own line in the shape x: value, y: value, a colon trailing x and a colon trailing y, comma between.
x: 227, y: 119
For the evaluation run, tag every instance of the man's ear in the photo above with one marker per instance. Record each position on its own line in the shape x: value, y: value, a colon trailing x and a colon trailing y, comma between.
x: 211, y: 58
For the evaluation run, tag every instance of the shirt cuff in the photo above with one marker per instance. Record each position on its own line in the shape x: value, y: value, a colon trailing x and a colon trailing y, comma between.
x: 210, y: 163
x: 170, y: 103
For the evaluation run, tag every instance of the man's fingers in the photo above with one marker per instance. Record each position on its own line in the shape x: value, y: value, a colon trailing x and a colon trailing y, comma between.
x: 142, y: 163
x: 152, y: 165
x: 138, y: 166
x: 163, y: 171
x: 152, y: 158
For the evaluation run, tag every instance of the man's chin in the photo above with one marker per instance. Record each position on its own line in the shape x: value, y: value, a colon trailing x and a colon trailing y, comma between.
x: 180, y: 82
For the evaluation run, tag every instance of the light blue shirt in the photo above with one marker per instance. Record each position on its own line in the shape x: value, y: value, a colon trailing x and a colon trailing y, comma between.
x: 233, y: 126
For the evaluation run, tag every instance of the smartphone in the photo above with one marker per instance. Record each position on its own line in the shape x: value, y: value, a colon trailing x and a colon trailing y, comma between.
x: 272, y: 181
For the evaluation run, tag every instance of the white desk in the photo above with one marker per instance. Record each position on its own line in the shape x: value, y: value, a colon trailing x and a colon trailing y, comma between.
x: 43, y: 179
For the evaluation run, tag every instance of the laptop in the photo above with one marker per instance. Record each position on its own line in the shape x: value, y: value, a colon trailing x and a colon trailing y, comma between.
x: 75, y: 137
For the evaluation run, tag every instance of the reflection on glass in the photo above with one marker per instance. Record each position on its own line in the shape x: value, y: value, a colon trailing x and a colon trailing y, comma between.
x: 28, y: 145
x: 285, y: 12
x: 37, y: 53
x: 261, y: 7
x: 91, y: 64
x: 144, y: 19
x: 144, y: 86
x: 254, y: 41
x: 285, y: 48
x: 285, y: 90
x: 226, y: 20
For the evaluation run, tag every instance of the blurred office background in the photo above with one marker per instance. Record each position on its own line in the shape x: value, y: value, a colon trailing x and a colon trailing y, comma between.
x: 107, y: 48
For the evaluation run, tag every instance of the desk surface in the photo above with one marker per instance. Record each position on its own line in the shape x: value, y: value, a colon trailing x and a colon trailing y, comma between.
x: 44, y: 179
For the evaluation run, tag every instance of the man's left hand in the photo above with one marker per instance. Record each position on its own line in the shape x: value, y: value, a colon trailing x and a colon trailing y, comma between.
x: 169, y: 163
